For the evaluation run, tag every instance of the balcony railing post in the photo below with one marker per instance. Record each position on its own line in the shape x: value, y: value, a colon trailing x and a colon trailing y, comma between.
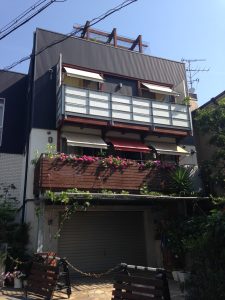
x: 63, y: 99
x: 110, y: 108
x: 189, y: 118
x: 131, y: 109
x: 151, y: 113
x: 170, y: 114
x: 88, y: 103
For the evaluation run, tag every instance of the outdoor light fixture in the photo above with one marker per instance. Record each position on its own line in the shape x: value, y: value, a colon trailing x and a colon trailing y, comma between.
x: 50, y: 139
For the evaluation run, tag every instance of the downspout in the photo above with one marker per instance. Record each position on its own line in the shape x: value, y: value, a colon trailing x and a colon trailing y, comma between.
x: 28, y: 126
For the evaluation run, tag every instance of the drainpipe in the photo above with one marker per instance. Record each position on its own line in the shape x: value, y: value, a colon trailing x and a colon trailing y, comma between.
x: 28, y: 125
x: 25, y: 180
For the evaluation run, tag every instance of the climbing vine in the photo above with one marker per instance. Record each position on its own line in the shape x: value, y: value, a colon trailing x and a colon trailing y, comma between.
x: 69, y: 199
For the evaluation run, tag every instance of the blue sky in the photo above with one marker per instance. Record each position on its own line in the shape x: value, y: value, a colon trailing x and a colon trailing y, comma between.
x: 174, y: 29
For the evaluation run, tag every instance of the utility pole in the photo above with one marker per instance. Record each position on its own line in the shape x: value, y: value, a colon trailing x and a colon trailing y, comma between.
x: 192, y: 72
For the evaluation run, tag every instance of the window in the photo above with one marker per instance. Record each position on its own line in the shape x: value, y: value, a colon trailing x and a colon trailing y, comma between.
x: 2, y: 108
x: 81, y: 83
x: 82, y: 79
x: 158, y: 93
x: 168, y: 158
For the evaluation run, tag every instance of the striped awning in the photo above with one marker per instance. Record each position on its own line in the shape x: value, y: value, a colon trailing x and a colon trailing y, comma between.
x: 160, y: 89
x: 128, y: 145
x: 167, y: 148
x: 84, y: 140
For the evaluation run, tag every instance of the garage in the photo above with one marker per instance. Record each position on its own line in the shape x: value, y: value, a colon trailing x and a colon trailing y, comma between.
x: 98, y: 240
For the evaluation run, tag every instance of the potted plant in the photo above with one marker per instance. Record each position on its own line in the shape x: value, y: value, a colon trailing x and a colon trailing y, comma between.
x: 15, y: 278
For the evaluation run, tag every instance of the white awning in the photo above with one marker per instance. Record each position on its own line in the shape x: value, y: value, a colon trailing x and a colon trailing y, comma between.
x: 83, y: 74
x: 170, y: 149
x: 165, y: 90
x: 84, y: 140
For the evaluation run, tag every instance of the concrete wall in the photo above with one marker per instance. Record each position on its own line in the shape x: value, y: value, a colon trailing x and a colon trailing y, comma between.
x: 188, y: 159
x: 153, y: 252
x: 38, y: 143
x: 33, y: 212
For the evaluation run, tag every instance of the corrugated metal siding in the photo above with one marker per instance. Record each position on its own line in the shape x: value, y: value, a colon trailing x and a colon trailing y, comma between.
x: 97, y: 241
x: 95, y: 56
x: 111, y: 85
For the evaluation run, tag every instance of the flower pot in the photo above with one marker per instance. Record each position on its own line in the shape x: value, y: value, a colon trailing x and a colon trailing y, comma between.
x: 17, y: 283
x: 182, y: 276
x: 24, y: 283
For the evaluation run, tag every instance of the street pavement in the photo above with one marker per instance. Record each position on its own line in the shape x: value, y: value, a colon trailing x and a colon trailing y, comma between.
x: 85, y: 291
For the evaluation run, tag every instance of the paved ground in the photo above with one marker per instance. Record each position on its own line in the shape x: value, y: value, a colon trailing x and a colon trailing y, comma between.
x: 86, y: 290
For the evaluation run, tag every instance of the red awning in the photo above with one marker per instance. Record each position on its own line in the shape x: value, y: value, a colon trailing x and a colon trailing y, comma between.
x: 128, y: 145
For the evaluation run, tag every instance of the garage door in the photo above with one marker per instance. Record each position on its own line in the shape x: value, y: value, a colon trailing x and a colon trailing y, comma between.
x: 97, y: 241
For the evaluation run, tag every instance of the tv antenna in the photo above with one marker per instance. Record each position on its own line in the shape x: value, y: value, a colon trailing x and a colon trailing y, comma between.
x: 192, y: 72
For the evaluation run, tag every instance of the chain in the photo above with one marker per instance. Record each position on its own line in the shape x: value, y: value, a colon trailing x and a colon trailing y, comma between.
x: 17, y: 261
x: 87, y: 274
x: 95, y: 275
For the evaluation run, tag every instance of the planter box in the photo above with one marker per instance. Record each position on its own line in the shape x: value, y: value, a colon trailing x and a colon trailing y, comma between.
x: 57, y: 175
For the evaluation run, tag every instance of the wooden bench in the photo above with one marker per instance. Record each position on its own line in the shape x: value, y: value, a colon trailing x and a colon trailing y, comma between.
x: 48, y: 273
x: 141, y: 283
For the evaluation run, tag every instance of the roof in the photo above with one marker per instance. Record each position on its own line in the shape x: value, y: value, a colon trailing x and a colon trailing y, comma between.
x: 213, y: 100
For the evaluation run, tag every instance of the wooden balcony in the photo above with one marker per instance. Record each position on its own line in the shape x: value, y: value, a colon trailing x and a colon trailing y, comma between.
x: 60, y: 175
x: 85, y: 103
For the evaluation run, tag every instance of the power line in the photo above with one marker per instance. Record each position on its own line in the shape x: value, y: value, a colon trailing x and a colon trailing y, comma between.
x: 22, y: 15
x: 19, y: 21
x: 94, y: 21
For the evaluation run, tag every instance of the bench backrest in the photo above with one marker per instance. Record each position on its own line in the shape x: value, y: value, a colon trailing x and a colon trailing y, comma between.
x: 140, y: 283
x: 42, y: 280
x: 43, y: 275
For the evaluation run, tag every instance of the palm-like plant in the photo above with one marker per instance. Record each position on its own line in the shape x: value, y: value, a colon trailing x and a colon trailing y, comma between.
x: 182, y: 181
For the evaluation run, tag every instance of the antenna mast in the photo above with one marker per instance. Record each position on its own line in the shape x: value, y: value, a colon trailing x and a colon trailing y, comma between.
x: 192, y: 72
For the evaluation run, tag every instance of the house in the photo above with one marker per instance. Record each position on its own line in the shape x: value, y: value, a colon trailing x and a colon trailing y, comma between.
x: 13, y: 108
x: 212, y: 186
x: 95, y: 95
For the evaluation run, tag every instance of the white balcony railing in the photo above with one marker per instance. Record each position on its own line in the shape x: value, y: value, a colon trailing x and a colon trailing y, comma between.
x: 114, y: 107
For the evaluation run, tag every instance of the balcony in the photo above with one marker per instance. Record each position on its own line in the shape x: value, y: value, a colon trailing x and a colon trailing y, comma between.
x: 58, y: 175
x: 73, y: 101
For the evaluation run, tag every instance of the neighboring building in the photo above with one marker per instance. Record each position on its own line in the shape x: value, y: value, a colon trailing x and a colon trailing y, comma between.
x: 13, y: 105
x: 92, y: 95
x: 203, y: 143
x: 193, y: 101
